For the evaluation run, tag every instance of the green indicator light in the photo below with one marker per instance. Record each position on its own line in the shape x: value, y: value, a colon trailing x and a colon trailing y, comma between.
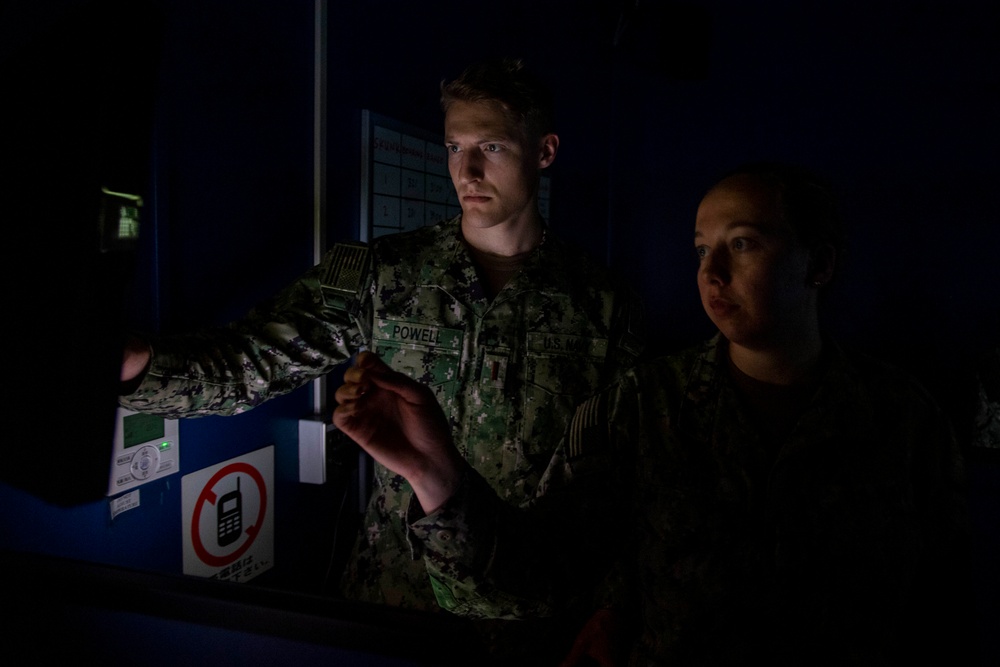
x: 165, y: 444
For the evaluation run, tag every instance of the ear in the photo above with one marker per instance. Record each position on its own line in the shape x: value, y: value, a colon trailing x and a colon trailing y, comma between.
x: 822, y: 261
x: 548, y: 147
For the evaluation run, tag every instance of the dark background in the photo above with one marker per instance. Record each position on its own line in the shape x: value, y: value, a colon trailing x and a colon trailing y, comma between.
x: 207, y: 108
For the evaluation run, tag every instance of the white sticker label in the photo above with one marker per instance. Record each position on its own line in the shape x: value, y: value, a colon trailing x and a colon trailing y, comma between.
x: 124, y: 502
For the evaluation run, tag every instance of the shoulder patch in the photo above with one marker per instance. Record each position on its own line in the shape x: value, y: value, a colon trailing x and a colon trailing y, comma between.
x: 346, y: 269
x: 587, y: 431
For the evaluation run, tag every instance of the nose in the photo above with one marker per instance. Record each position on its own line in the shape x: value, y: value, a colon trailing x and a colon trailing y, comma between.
x: 714, y: 267
x: 470, y: 166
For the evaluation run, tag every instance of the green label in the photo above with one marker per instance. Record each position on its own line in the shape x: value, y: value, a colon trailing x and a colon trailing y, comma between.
x: 419, y: 334
x: 556, y: 343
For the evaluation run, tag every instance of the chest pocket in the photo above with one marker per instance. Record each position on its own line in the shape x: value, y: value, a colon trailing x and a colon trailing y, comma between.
x: 561, y: 371
x: 427, y: 353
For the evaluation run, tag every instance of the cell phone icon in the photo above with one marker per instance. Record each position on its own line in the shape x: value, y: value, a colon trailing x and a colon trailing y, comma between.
x: 230, y: 516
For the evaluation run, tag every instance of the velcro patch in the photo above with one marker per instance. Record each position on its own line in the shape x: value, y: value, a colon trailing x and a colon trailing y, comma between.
x: 347, y: 268
x: 556, y: 343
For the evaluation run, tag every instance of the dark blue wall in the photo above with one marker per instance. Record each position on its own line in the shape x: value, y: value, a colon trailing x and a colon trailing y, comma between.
x: 228, y: 219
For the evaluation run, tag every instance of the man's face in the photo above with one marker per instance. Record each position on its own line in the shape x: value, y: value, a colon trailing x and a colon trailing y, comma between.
x: 753, y: 275
x: 493, y: 164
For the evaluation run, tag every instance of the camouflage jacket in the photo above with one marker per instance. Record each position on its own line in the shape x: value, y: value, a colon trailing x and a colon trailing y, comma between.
x: 827, y: 553
x: 508, y: 372
x: 986, y: 426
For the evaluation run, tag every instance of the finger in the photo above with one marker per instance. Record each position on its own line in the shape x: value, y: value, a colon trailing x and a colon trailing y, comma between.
x: 364, y: 361
x: 354, y: 373
x: 349, y: 392
x: 370, y: 371
x: 344, y: 417
x: 369, y: 359
x: 400, y: 384
x: 349, y: 410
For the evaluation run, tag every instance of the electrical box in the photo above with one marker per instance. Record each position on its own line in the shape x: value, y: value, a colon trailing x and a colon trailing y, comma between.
x: 314, y: 434
x: 146, y: 447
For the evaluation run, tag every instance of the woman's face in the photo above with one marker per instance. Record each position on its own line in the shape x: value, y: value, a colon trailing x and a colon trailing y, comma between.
x: 753, y: 274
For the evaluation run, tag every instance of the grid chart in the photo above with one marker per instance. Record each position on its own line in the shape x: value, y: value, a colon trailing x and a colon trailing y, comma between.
x: 405, y: 182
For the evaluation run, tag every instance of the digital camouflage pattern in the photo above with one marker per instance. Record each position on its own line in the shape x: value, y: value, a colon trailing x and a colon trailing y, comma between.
x: 508, y: 373
x: 841, y: 550
x: 987, y: 419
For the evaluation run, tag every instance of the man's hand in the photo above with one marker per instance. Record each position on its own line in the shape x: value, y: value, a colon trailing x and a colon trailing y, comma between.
x: 400, y: 423
x: 135, y: 358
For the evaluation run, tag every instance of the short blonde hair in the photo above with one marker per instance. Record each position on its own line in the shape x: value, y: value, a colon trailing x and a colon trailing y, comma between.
x: 507, y: 81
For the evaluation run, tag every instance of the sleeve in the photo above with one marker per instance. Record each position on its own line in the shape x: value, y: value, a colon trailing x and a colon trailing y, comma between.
x: 628, y: 334
x: 303, y: 332
x: 940, y: 613
x: 488, y: 559
x: 986, y: 419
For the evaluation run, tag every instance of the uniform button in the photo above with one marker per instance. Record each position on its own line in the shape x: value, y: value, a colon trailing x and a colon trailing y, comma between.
x: 445, y: 535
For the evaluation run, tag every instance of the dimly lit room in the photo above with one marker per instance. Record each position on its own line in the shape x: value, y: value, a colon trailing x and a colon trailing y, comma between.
x: 172, y: 164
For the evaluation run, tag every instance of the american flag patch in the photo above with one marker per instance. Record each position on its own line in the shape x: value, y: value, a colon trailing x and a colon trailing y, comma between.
x: 347, y: 267
x: 588, y: 428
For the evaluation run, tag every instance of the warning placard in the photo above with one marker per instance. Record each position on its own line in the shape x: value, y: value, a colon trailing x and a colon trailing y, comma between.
x: 228, y: 518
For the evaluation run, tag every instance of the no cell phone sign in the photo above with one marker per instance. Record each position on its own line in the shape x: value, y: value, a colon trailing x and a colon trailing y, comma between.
x: 228, y: 518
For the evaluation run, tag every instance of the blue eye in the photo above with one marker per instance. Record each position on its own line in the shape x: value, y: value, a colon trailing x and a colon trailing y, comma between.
x: 701, y: 251
x: 452, y: 148
x: 491, y: 148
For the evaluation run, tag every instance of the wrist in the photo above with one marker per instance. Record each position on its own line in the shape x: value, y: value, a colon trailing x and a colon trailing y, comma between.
x: 438, y: 482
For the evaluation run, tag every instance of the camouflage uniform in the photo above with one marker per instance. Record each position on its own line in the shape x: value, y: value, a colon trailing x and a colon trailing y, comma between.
x: 508, y: 372
x: 987, y: 418
x: 827, y: 552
